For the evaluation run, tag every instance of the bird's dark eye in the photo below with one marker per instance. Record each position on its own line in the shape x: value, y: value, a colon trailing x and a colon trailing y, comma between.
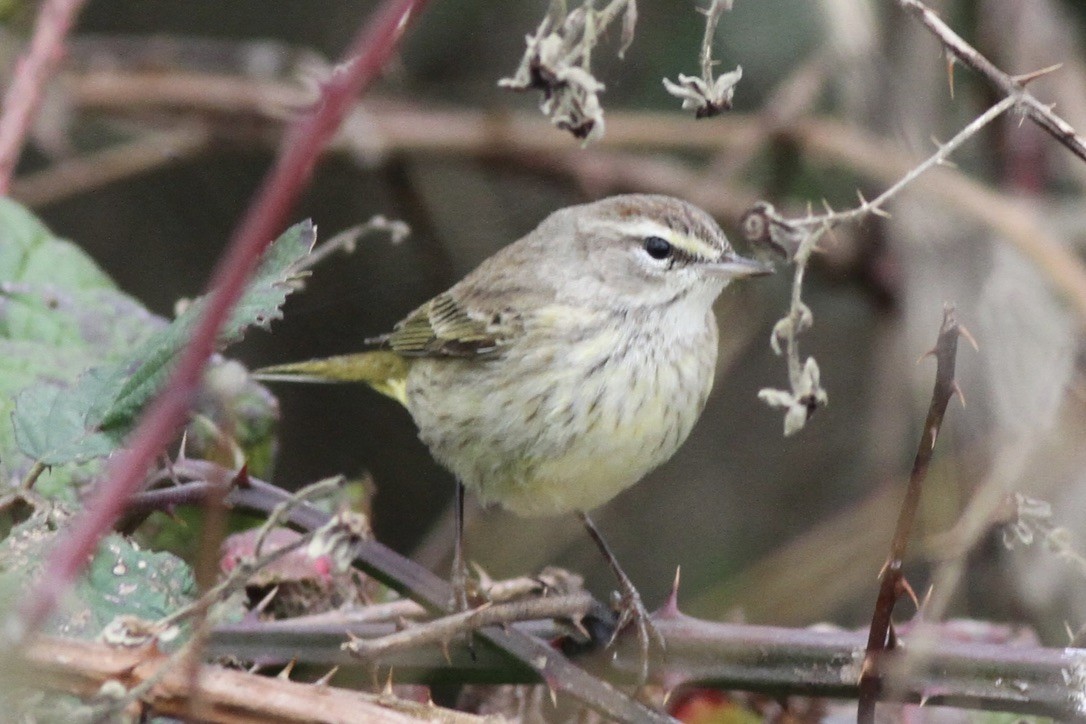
x: 657, y: 248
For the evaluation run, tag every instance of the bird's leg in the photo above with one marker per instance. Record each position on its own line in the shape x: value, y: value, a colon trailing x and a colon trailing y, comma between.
x: 632, y: 607
x: 459, y: 578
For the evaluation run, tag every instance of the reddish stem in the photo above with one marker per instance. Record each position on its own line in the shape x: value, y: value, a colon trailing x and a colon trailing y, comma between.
x: 307, y: 137
x: 32, y: 71
x: 881, y: 636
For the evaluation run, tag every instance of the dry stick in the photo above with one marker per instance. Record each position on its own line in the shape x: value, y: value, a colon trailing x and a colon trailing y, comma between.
x: 370, y: 50
x: 571, y: 606
x: 32, y: 72
x: 805, y: 394
x: 83, y: 668
x: 85, y: 173
x: 412, y: 580
x: 893, y: 582
x: 1037, y: 112
x: 939, y: 158
x: 240, y: 575
x: 712, y: 19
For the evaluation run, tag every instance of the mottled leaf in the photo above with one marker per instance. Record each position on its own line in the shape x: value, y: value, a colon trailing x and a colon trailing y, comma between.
x: 121, y: 580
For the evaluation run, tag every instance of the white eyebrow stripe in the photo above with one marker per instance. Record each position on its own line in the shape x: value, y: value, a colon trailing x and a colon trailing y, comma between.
x: 645, y: 228
x: 695, y: 246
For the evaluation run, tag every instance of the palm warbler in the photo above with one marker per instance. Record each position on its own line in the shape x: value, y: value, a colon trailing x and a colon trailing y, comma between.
x: 566, y: 366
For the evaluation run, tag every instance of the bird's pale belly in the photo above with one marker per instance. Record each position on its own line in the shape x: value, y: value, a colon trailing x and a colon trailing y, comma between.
x: 564, y: 436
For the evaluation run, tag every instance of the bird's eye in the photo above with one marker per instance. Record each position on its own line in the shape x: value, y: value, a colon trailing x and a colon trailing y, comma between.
x: 657, y: 248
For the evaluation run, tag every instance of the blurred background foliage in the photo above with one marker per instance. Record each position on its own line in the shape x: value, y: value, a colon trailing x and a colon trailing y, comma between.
x: 774, y: 530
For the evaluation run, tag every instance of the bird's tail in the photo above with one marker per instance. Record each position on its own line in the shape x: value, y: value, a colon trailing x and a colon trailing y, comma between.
x: 382, y: 370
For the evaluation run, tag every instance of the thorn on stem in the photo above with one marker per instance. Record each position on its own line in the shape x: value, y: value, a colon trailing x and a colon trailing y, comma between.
x: 1026, y: 78
x: 956, y: 389
x: 241, y: 479
x: 964, y: 332
x: 324, y: 680
x: 950, y: 62
x: 670, y: 609
x: 904, y: 587
x: 929, y: 353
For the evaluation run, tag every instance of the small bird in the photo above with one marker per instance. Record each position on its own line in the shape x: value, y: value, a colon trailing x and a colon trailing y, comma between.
x: 566, y: 366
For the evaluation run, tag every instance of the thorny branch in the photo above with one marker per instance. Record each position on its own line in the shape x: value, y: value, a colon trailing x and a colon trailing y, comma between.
x: 796, y: 240
x: 572, y: 606
x: 410, y: 579
x: 775, y: 660
x: 239, y: 575
x: 347, y: 239
x: 1012, y: 87
x: 89, y: 669
x: 698, y: 652
x: 728, y: 656
x: 707, y: 96
x: 881, y: 637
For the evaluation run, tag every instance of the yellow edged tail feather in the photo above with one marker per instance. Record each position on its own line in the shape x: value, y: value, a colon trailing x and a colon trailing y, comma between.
x: 382, y: 370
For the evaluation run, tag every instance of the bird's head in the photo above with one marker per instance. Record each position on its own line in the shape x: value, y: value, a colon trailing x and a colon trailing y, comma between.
x: 643, y: 250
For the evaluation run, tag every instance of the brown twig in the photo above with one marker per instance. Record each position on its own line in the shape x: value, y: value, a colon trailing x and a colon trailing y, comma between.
x: 442, y: 630
x: 85, y: 173
x: 1009, y: 86
x: 368, y: 53
x: 797, y: 238
x: 228, y: 696
x: 32, y: 72
x: 410, y: 579
x: 222, y: 103
x: 240, y: 575
x: 225, y: 103
x: 892, y: 585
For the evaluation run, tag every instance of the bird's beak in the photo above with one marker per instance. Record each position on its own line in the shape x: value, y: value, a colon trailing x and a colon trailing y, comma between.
x: 732, y: 266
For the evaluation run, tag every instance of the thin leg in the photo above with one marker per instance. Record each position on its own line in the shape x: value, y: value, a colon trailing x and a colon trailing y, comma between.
x: 633, y: 610
x: 459, y: 579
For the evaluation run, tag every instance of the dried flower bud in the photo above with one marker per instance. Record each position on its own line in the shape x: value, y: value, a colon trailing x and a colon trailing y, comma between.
x: 705, y: 99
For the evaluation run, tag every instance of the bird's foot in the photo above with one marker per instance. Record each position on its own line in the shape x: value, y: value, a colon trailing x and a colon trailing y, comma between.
x: 632, y: 611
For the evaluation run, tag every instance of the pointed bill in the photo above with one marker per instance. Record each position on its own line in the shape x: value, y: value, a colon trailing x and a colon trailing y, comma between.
x: 732, y: 266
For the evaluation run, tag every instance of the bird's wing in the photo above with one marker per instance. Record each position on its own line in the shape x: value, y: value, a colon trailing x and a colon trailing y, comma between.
x: 443, y: 327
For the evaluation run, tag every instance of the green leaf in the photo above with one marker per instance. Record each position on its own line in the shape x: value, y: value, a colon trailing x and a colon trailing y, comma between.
x: 125, y: 580
x: 122, y: 579
x: 79, y: 359
x: 51, y: 426
x: 124, y: 389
